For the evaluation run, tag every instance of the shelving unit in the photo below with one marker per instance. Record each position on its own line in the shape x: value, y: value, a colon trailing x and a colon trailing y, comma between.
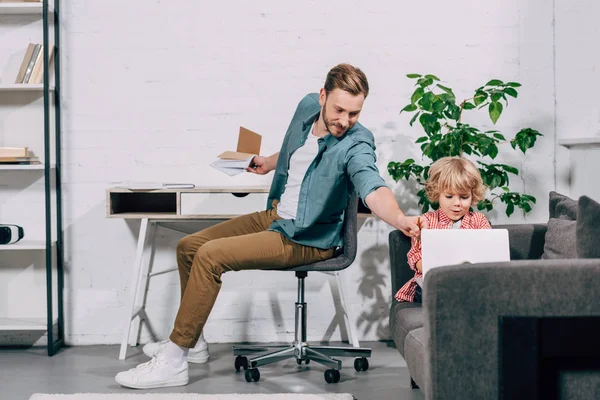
x: 51, y: 241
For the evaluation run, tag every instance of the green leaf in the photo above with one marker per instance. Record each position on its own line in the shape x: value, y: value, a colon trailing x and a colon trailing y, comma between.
x: 513, y: 84
x: 510, y: 208
x: 480, y: 205
x: 495, y: 110
x: 417, y: 95
x: 468, y: 106
x: 480, y: 97
x: 409, y: 108
x: 494, y: 82
x: 413, y: 76
x: 499, y: 136
x: 506, y: 189
x: 511, y: 92
x: 510, y: 169
x: 492, y: 151
x: 424, y: 82
x: 429, y: 76
x: 414, y: 118
x: 445, y: 89
x: 422, y: 139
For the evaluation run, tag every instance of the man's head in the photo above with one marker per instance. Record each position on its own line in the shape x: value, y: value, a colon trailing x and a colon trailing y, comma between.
x: 342, y: 98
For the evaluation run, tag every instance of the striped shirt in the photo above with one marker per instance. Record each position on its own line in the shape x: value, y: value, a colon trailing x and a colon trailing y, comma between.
x: 437, y: 220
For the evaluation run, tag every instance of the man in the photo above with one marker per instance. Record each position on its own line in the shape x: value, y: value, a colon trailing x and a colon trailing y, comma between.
x: 325, y: 155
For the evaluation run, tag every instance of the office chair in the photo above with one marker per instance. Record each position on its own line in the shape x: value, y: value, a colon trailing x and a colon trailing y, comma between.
x: 300, y: 349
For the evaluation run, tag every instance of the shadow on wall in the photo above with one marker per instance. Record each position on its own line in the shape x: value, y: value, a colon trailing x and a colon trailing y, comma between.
x: 374, y: 286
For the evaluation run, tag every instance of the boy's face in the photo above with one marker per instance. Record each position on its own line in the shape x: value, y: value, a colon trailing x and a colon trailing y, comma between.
x: 455, y: 205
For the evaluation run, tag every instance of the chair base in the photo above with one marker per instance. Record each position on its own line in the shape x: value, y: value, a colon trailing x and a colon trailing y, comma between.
x: 303, y: 353
x: 299, y: 349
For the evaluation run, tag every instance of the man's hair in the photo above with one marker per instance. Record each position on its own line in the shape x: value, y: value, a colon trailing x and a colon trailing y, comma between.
x: 456, y: 175
x: 347, y: 78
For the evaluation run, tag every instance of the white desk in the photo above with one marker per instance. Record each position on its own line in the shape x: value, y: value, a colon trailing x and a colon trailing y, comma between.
x: 158, y: 207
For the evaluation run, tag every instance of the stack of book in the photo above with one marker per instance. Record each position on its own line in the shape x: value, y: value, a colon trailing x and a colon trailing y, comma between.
x: 17, y: 155
x: 32, y: 67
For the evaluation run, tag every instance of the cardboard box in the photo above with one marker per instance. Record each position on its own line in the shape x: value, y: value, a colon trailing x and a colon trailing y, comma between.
x: 248, y: 145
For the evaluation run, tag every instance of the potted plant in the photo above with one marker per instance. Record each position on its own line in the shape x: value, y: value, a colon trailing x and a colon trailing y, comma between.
x: 435, y: 108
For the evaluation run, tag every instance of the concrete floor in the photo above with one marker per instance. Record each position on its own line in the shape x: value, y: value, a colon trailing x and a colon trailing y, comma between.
x: 91, y: 369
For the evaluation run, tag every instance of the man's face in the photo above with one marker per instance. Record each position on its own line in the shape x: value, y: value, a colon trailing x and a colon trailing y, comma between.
x: 340, y: 110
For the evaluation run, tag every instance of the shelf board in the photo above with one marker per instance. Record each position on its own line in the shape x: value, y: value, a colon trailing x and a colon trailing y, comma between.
x: 23, y: 324
x: 24, y: 87
x: 582, y: 142
x: 22, y: 8
x: 26, y: 245
x: 23, y: 167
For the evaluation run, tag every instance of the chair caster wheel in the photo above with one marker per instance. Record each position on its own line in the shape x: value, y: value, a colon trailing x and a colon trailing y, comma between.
x: 413, y: 384
x: 241, y: 362
x: 361, y: 364
x: 332, y: 376
x: 299, y: 361
x: 252, y: 374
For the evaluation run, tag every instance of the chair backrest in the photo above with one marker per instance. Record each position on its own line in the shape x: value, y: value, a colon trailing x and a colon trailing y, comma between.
x: 344, y: 258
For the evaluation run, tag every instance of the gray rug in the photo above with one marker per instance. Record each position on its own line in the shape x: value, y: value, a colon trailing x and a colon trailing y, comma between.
x: 191, y: 396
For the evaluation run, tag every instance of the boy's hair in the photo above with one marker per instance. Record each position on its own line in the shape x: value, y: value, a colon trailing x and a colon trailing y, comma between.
x: 347, y: 78
x: 457, y: 175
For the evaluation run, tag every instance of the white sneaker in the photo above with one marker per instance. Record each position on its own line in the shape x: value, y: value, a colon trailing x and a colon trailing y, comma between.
x: 198, y: 354
x: 155, y: 373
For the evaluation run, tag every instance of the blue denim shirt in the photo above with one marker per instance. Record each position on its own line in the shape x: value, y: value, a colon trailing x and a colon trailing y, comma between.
x: 341, y: 166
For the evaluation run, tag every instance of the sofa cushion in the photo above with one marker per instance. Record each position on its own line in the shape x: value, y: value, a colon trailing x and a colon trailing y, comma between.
x: 404, y: 317
x: 561, y: 238
x: 588, y: 228
x: 414, y: 350
x: 562, y: 207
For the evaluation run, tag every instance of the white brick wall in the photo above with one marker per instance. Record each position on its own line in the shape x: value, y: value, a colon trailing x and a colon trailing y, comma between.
x: 153, y: 90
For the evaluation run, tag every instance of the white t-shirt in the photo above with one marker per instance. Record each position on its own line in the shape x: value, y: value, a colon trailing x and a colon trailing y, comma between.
x: 299, y: 163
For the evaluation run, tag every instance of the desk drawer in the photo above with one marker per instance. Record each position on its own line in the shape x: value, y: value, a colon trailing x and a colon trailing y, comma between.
x: 222, y: 203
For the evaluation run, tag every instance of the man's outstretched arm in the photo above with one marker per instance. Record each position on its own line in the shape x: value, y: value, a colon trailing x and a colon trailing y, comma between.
x: 263, y: 165
x: 382, y: 203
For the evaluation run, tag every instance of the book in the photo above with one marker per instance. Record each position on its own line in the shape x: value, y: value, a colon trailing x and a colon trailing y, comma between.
x: 19, y: 160
x: 37, y: 75
x: 25, y: 63
x: 32, y: 61
x: 14, y: 152
x: 231, y: 166
x: 235, y: 162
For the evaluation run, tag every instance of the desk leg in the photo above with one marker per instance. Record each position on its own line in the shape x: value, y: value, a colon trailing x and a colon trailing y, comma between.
x: 348, y: 316
x: 137, y: 271
x: 139, y: 309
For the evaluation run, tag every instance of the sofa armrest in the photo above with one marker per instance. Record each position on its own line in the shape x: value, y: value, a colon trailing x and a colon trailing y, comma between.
x: 463, y: 305
x: 399, y: 246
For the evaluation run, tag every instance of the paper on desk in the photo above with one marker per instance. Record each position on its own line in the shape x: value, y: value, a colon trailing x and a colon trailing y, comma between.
x: 232, y: 166
x: 154, y: 185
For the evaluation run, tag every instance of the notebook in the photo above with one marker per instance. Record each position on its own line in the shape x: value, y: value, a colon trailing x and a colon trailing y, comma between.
x: 443, y: 247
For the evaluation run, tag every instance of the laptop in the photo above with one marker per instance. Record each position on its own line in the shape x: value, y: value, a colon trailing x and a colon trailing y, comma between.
x: 443, y: 247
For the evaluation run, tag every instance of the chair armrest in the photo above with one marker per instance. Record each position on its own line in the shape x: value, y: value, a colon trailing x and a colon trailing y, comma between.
x: 462, y: 306
x: 399, y: 246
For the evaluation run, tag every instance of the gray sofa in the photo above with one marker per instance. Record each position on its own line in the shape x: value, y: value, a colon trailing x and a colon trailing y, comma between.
x: 452, y: 344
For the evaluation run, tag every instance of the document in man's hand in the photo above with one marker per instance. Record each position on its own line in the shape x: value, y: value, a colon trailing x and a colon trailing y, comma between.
x: 231, y: 166
x: 236, y: 162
